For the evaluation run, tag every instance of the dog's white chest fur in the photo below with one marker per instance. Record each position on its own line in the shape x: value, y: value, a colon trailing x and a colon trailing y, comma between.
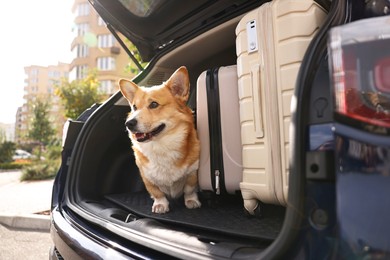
x: 168, y: 178
x: 161, y: 168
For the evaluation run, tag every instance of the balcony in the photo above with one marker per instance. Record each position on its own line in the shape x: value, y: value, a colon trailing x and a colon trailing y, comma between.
x: 115, y: 50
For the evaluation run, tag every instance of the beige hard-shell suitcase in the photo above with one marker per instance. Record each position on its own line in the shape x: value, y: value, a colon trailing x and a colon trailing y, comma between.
x: 218, y: 127
x: 271, y: 42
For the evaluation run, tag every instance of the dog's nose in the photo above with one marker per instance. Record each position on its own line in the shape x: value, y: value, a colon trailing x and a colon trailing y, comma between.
x: 130, y: 124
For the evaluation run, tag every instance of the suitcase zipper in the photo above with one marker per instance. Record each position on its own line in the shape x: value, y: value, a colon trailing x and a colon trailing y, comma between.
x: 214, y: 118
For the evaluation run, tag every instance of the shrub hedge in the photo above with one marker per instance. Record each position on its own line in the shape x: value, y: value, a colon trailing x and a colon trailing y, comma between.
x: 14, y: 165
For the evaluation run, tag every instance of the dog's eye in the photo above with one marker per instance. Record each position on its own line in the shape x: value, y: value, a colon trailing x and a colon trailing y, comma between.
x: 134, y: 107
x: 153, y: 104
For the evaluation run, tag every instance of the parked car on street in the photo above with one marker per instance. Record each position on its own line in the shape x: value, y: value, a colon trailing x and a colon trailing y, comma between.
x: 21, y: 154
x: 338, y: 203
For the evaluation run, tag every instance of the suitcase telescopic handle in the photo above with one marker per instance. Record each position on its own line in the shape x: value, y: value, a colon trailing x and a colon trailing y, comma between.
x: 257, y: 79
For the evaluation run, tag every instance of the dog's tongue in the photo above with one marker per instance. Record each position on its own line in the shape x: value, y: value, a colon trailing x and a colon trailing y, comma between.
x: 139, y: 135
x: 142, y: 136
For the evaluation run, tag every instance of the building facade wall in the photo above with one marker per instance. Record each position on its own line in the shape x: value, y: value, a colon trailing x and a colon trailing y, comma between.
x: 94, y: 47
x: 40, y: 84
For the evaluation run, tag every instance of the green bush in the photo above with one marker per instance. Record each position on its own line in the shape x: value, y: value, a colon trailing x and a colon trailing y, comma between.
x: 7, y: 149
x: 53, y: 152
x: 39, y: 170
x: 46, y: 168
x: 14, y: 165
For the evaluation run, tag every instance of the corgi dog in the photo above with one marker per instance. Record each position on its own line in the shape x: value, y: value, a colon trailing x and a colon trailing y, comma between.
x: 165, y: 142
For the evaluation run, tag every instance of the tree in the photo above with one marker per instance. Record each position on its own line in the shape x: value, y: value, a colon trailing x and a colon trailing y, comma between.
x: 78, y: 95
x: 41, y: 130
x: 131, y: 67
x: 7, y: 150
x: 3, y: 137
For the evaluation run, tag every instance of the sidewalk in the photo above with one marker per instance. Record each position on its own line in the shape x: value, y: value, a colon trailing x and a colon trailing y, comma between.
x: 22, y: 203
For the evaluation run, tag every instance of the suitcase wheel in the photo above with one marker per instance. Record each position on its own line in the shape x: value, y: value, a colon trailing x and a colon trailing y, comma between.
x: 252, y: 207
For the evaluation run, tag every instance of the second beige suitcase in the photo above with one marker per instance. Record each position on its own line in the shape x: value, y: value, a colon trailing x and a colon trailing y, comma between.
x: 217, y: 117
x: 271, y: 42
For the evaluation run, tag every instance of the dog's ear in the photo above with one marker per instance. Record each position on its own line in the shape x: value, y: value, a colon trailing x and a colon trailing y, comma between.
x: 179, y: 84
x: 128, y: 89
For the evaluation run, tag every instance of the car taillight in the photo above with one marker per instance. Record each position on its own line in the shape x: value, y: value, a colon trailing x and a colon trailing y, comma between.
x: 382, y: 74
x: 360, y: 68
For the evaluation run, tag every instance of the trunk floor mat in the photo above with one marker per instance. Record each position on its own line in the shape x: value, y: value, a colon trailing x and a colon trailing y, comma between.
x: 223, y: 216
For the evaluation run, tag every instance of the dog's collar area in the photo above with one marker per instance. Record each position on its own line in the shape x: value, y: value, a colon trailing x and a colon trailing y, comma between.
x: 142, y: 137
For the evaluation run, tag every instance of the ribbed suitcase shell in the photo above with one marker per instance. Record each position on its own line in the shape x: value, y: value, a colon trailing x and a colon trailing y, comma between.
x: 271, y: 42
x: 230, y: 131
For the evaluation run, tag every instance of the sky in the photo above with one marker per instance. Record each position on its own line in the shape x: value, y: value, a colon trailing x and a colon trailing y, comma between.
x: 37, y: 32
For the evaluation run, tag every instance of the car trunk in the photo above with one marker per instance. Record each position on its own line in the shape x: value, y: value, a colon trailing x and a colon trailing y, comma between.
x: 109, y: 178
x: 108, y: 187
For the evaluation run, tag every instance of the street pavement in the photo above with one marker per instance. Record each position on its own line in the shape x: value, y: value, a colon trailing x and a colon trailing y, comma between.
x: 24, y: 228
x: 24, y: 244
x: 21, y: 198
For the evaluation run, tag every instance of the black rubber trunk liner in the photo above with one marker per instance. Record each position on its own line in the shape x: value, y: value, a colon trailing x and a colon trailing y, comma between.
x: 225, y: 217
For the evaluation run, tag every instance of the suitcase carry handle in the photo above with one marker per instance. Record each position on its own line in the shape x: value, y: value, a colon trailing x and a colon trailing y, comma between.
x: 257, y: 79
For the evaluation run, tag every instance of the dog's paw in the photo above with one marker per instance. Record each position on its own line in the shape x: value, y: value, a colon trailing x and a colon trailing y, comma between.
x: 160, y: 206
x: 191, y: 199
x: 193, y: 204
x: 160, y: 209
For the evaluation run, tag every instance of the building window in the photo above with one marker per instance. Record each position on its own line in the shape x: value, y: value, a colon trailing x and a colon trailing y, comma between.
x: 105, y: 40
x: 78, y: 72
x: 82, y: 9
x: 34, y: 72
x: 82, y: 28
x: 34, y: 81
x: 106, y: 87
x: 106, y: 63
x: 82, y: 71
x: 81, y: 51
x: 54, y: 74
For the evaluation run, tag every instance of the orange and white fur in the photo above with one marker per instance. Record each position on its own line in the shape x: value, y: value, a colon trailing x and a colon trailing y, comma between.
x: 164, y: 139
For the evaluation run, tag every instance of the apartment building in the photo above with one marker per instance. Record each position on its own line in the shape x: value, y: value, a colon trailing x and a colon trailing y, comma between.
x: 40, y: 83
x: 7, y: 132
x: 94, y: 47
